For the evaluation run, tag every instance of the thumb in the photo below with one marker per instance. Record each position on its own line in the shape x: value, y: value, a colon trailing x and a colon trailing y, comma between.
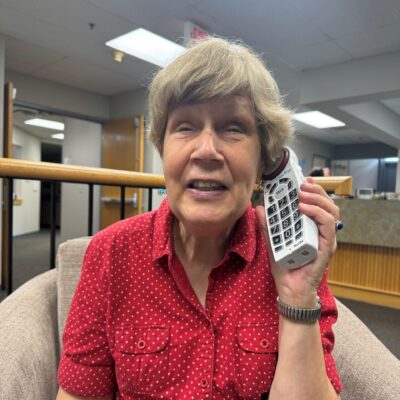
x: 260, y: 211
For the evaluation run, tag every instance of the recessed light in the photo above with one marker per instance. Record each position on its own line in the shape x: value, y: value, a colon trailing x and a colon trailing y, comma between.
x: 318, y: 119
x: 390, y: 160
x: 45, y: 123
x: 59, y: 136
x: 147, y: 46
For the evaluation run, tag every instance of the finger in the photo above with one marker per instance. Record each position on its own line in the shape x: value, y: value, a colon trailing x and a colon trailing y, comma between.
x: 315, y: 188
x: 260, y: 212
x: 324, y: 203
x: 324, y: 220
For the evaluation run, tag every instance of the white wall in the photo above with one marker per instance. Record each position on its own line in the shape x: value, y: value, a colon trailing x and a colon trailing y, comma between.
x: 364, y: 173
x: 26, y: 217
x: 129, y: 104
x: 306, y: 148
x: 57, y: 96
x: 82, y: 146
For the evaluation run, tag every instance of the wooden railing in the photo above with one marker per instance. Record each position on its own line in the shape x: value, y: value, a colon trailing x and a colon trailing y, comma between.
x: 19, y: 169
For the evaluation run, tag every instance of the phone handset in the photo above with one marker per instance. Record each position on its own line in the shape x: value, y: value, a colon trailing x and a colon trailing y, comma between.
x: 293, y: 236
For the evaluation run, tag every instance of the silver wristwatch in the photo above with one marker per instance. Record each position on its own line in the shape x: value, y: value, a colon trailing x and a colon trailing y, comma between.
x: 309, y: 315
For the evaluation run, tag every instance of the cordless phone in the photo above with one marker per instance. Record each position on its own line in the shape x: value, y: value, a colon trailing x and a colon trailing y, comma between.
x: 292, y: 235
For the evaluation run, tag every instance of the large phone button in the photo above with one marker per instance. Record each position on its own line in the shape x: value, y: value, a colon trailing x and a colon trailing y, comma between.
x: 273, y: 188
x: 272, y: 209
x: 295, y: 204
x: 286, y: 223
x: 296, y: 215
x: 298, y: 225
x: 285, y: 212
x: 299, y: 235
x: 275, y: 229
x: 277, y: 239
x: 293, y: 194
x: 288, y: 234
x: 283, y: 202
x: 273, y: 220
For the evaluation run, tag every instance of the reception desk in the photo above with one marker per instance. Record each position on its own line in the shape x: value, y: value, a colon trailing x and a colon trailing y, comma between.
x: 366, y: 265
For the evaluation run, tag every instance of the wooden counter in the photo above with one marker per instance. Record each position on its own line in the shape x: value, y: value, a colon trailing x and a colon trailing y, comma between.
x: 366, y: 265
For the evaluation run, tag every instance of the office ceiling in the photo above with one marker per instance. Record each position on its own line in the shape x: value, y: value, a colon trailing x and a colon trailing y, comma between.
x: 63, y: 41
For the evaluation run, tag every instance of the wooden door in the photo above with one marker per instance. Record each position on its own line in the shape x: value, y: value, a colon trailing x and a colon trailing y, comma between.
x: 123, y: 148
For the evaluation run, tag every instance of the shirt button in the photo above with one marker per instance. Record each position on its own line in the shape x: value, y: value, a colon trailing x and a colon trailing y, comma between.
x: 264, y: 343
x: 204, y: 383
x: 141, y: 344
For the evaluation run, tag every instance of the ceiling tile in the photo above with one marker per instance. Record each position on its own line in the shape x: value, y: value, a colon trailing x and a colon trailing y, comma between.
x: 26, y: 57
x: 344, y: 17
x: 317, y: 55
x: 372, y: 42
x: 80, y: 73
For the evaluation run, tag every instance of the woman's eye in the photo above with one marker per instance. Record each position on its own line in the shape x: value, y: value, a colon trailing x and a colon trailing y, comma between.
x: 234, y: 128
x: 183, y: 128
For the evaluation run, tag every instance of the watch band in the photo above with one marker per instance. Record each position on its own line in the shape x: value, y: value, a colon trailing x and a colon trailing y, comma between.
x: 300, y: 314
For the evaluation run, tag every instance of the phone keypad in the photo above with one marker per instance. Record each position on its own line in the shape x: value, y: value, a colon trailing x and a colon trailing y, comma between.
x: 298, y: 225
x: 273, y: 220
x: 284, y: 219
x: 283, y: 202
x: 286, y: 223
x: 272, y: 209
x: 285, y: 212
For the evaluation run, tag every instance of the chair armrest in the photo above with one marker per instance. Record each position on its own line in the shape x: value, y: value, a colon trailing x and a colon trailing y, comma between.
x: 367, y: 368
x: 70, y: 256
x: 29, y: 353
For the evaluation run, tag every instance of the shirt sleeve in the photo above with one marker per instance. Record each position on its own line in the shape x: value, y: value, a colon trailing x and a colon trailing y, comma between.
x: 328, y: 318
x: 86, y: 367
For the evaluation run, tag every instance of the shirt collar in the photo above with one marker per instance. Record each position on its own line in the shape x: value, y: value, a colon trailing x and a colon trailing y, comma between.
x: 243, y: 242
x: 162, y: 233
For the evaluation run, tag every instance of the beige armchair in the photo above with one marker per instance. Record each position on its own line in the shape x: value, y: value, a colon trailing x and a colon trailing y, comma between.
x: 33, y: 317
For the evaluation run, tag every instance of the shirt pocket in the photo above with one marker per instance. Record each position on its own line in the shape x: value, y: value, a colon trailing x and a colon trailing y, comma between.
x: 141, y: 359
x: 256, y: 357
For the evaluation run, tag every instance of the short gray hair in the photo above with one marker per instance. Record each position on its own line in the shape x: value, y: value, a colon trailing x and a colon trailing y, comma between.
x: 213, y: 68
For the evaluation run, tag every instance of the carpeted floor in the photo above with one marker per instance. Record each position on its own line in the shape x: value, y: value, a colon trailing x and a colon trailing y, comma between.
x: 32, y: 257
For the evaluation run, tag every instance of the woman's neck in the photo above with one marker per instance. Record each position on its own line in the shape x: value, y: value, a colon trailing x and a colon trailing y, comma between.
x: 195, y: 248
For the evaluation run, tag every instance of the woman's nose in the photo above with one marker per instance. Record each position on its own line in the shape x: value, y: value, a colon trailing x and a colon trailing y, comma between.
x: 207, y: 146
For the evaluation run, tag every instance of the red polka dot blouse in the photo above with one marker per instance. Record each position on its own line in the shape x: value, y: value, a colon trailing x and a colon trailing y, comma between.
x: 137, y: 329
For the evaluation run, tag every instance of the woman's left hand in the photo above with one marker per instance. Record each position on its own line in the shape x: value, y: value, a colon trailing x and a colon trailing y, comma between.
x: 299, y: 286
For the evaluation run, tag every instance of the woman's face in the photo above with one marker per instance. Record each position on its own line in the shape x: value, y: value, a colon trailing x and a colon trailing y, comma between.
x: 211, y: 160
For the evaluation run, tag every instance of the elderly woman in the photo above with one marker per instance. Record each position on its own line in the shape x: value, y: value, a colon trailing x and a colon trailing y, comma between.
x: 181, y: 302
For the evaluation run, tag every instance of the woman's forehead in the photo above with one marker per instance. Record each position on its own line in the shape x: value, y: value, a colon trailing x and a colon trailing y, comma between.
x: 224, y: 104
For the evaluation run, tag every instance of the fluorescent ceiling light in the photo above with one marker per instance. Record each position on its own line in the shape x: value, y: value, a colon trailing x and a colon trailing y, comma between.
x: 148, y: 46
x: 45, y: 123
x: 391, y: 159
x: 318, y: 119
x: 59, y: 136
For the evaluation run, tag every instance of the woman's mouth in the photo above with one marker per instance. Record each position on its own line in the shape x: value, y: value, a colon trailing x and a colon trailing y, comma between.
x: 207, y: 186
